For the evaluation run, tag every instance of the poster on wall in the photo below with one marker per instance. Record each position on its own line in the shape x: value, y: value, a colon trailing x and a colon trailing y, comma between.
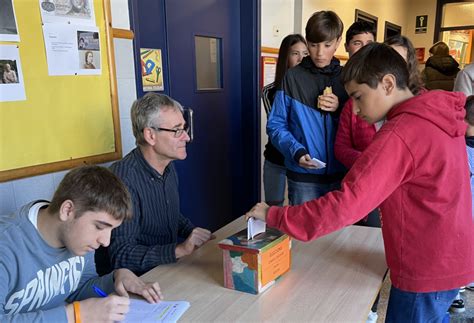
x: 152, y: 69
x: 421, y: 24
x: 80, y: 12
x: 8, y: 25
x: 72, y: 49
x: 268, y: 70
x: 420, y: 54
x: 12, y: 86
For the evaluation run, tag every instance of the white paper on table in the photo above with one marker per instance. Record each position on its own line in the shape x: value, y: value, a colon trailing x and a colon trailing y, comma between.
x: 164, y: 311
x: 317, y: 163
x: 254, y: 227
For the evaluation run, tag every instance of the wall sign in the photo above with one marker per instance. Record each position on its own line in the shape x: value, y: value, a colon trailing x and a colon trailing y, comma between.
x: 421, y: 24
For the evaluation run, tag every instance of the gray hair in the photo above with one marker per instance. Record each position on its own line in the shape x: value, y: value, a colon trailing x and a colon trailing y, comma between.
x: 146, y: 110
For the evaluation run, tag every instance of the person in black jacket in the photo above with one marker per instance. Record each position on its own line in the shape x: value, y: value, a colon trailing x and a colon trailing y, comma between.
x: 440, y: 69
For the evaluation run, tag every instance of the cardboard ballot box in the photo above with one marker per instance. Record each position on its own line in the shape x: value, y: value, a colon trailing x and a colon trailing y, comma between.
x: 253, y: 265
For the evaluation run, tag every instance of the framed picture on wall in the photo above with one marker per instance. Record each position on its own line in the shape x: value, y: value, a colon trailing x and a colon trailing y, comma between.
x: 364, y: 16
x: 420, y: 54
x: 391, y: 29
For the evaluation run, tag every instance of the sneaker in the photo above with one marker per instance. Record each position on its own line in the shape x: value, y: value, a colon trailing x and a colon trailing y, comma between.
x: 457, y: 306
x: 372, y: 317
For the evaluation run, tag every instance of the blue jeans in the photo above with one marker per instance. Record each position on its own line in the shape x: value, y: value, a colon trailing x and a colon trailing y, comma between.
x: 274, y: 182
x: 419, y: 307
x: 300, y: 192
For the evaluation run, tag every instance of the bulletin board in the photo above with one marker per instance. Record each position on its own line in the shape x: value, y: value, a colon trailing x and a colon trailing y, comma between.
x: 65, y: 121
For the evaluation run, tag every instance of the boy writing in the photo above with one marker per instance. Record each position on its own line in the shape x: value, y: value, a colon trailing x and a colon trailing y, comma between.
x: 303, y: 120
x: 416, y: 169
x: 47, y: 271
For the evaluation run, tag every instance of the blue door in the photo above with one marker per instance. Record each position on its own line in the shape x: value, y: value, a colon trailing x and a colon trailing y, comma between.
x: 211, y: 53
x: 212, y: 179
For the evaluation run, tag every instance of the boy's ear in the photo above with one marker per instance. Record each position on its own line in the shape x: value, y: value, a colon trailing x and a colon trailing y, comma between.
x: 338, y: 42
x: 389, y: 82
x: 66, y: 211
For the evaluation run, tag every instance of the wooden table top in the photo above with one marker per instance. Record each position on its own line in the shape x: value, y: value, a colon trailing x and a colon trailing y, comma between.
x: 335, y: 278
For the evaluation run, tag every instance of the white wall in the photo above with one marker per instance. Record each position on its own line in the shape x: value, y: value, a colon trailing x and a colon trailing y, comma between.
x: 16, y: 193
x: 276, y: 14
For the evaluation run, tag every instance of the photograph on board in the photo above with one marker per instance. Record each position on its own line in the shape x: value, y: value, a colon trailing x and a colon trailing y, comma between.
x: 88, y: 40
x: 12, y: 87
x: 88, y: 45
x: 8, y: 71
x: 8, y: 25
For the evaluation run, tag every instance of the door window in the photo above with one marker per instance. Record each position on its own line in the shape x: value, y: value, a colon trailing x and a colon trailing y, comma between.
x: 208, y: 63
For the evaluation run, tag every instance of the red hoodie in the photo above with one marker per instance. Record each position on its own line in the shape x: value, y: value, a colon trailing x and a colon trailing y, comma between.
x: 353, y: 136
x: 416, y: 168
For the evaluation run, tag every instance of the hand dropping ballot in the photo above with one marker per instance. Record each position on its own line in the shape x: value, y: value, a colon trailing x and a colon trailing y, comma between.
x: 317, y: 163
x: 255, y: 227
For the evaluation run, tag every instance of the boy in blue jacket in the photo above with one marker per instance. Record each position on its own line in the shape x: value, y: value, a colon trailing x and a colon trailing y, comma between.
x: 304, y: 116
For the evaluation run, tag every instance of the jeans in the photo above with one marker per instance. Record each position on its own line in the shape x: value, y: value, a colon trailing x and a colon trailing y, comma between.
x: 300, y: 192
x: 274, y: 182
x: 419, y: 307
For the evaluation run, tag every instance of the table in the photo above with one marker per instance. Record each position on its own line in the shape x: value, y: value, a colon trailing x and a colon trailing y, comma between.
x: 333, y: 279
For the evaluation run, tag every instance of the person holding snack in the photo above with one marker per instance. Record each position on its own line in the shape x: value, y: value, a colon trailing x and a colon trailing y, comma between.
x: 303, y: 120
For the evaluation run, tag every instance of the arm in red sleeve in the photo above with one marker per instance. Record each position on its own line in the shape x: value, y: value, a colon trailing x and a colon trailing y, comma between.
x: 380, y: 170
x: 344, y: 149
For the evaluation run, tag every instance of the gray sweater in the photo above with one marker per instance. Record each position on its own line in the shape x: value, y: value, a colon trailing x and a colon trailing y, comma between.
x: 37, y: 280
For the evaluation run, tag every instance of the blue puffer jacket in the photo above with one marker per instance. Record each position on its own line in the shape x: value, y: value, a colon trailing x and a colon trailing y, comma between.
x: 296, y: 126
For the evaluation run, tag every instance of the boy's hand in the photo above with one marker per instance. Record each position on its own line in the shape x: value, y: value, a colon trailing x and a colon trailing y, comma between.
x: 108, y: 309
x: 259, y: 211
x: 126, y: 281
x: 328, y: 102
x: 196, y: 239
x: 305, y: 161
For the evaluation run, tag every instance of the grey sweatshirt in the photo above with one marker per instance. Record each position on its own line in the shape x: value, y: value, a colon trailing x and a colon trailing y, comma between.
x: 37, y: 280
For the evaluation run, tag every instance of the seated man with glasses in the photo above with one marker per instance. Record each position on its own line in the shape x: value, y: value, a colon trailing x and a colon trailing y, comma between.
x: 151, y: 237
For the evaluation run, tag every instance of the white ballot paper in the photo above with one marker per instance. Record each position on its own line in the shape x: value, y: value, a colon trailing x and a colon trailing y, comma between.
x: 317, y: 163
x: 164, y: 311
x: 255, y: 227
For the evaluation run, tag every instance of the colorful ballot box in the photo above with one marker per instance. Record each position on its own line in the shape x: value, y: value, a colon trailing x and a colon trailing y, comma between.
x: 254, y: 265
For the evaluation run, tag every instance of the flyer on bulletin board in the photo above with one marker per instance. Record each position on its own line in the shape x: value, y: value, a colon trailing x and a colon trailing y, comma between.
x: 152, y: 69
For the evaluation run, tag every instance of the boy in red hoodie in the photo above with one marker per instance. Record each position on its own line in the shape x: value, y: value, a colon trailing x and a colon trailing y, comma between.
x: 416, y: 169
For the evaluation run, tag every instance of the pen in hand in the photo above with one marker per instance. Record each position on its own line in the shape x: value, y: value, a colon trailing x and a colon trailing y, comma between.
x: 99, y: 291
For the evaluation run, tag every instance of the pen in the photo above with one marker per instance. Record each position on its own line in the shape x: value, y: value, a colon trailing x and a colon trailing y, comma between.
x: 99, y: 291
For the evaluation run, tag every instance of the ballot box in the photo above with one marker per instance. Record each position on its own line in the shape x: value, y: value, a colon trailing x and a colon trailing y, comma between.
x: 254, y: 265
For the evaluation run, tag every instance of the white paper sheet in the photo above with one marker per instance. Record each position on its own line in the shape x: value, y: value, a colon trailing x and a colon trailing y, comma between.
x: 164, y: 311
x: 12, y: 85
x: 76, y: 12
x: 68, y: 48
x: 254, y: 227
x: 317, y: 163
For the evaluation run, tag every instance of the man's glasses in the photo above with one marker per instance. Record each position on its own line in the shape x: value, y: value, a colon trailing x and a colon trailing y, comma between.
x: 177, y: 132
